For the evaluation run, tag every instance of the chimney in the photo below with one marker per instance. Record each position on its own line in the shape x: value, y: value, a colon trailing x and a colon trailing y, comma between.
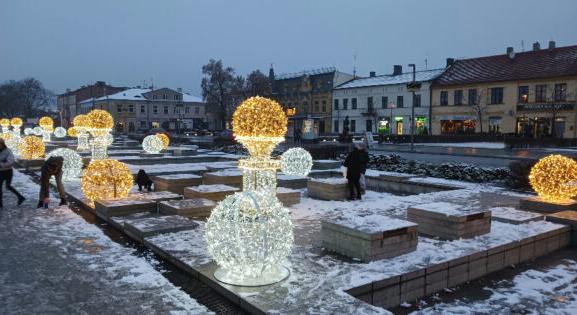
x: 450, y: 62
x: 397, y: 69
x: 551, y: 44
x: 372, y: 74
x: 510, y: 50
x: 179, y: 90
x: 536, y: 46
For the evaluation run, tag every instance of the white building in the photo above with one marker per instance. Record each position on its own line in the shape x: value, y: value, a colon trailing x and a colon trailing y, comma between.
x: 383, y: 103
x: 137, y: 110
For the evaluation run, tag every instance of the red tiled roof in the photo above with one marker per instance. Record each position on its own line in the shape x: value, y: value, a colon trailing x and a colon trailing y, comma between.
x: 544, y: 63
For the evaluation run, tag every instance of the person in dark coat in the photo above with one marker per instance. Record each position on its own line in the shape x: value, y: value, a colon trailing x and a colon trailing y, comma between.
x: 6, y: 172
x: 142, y: 180
x: 51, y: 167
x: 355, y: 167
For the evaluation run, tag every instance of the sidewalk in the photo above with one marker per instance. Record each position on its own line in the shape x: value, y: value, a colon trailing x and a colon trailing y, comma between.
x: 52, y: 261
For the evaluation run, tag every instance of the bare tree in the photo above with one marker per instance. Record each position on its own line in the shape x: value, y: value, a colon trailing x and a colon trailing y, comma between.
x: 217, y: 89
x: 479, y: 108
x: 25, y: 97
x: 257, y: 84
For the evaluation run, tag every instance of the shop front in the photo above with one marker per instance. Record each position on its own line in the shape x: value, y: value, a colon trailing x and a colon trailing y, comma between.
x: 458, y: 126
x: 421, y: 125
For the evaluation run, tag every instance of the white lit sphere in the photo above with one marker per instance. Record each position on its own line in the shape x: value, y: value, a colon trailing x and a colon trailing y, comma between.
x: 248, y: 234
x: 296, y: 161
x: 152, y: 144
x: 108, y: 139
x: 72, y: 166
x: 38, y: 131
x: 28, y: 131
x: 60, y: 132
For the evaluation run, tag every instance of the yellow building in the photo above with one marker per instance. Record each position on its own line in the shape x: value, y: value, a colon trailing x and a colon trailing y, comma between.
x: 530, y: 94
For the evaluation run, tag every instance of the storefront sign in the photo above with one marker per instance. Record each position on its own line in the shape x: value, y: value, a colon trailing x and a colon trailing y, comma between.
x: 545, y: 106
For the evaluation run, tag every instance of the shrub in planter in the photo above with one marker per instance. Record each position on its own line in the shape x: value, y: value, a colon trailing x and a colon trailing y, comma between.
x: 519, y: 174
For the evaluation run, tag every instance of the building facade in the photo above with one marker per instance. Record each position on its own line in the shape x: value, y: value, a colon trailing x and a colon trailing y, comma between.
x: 383, y: 103
x: 139, y: 110
x: 530, y: 94
x: 68, y: 104
x: 307, y: 97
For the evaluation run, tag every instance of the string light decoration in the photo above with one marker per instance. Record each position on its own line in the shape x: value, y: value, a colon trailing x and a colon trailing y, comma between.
x: 554, y: 178
x: 81, y: 124
x: 152, y: 144
x: 250, y: 233
x: 296, y: 161
x: 165, y: 140
x: 31, y: 147
x: 60, y: 132
x: 16, y: 122
x: 5, y: 124
x: 38, y: 131
x: 109, y: 138
x: 100, y: 124
x: 47, y: 125
x: 72, y: 166
x: 73, y: 132
x: 28, y: 131
x: 106, y: 180
x: 99, y: 148
x: 11, y: 141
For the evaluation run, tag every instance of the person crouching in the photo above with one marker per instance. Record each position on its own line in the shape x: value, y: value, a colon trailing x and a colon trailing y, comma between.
x: 142, y: 180
x: 51, y: 167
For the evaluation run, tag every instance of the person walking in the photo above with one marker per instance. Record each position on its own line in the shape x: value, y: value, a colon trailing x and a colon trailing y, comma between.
x: 354, y: 166
x: 51, y: 167
x: 298, y: 136
x: 6, y: 172
x: 364, y: 162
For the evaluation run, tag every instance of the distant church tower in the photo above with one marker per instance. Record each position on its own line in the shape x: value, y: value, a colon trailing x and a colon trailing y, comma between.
x: 271, y: 78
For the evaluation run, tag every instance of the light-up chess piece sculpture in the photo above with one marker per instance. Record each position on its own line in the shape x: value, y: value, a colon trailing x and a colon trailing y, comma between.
x: 47, y: 125
x: 100, y: 124
x: 81, y: 125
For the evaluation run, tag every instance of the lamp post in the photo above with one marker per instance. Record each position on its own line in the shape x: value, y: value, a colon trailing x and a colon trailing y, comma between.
x: 413, y: 87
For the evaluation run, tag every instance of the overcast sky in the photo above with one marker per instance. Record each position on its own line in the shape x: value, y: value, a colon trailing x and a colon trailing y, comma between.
x: 68, y: 43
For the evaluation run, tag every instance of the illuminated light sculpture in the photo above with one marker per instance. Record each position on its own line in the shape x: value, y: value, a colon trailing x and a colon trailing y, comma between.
x: 81, y: 124
x: 16, y: 124
x: 249, y: 233
x: 106, y: 180
x: 31, y: 147
x: 109, y: 138
x: 38, y: 131
x: 152, y: 144
x: 554, y: 178
x: 11, y: 141
x: 60, y: 132
x: 165, y: 140
x: 5, y: 123
x: 100, y: 124
x: 73, y: 132
x: 296, y: 161
x: 47, y: 125
x: 72, y: 166
x: 28, y: 131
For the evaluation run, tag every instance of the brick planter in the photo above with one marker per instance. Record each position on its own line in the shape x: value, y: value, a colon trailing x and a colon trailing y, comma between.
x: 210, y: 192
x: 191, y: 208
x: 390, y: 238
x: 328, y: 188
x: 445, y: 220
x: 176, y: 183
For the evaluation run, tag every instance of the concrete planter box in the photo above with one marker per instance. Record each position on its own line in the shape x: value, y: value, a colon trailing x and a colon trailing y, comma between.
x: 396, y: 237
x: 232, y: 177
x: 190, y: 208
x: 183, y: 152
x: 326, y: 164
x: 122, y: 207
x: 539, y: 205
x: 151, y: 155
x: 145, y: 227
x: 176, y: 183
x: 157, y: 196
x: 514, y: 216
x: 210, y: 192
x: 293, y: 182
x: 444, y: 220
x: 288, y: 197
x: 567, y: 218
x: 29, y: 164
x: 328, y: 189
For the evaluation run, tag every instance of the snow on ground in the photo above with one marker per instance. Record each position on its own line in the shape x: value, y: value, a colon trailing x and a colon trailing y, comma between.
x: 477, y: 145
x: 53, y: 261
x: 550, y: 290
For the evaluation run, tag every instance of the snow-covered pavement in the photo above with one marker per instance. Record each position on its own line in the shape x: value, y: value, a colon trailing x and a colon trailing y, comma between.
x: 53, y: 261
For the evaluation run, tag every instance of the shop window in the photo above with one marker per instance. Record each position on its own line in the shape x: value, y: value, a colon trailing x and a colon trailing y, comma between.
x: 421, y: 126
x: 458, y: 126
x: 494, y: 124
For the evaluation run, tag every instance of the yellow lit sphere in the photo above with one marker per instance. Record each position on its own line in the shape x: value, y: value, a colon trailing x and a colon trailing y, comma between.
x: 4, y: 122
x: 16, y: 122
x: 106, y: 180
x: 259, y: 117
x: 554, y: 178
x: 46, y: 123
x: 73, y: 132
x: 100, y: 119
x: 165, y: 140
x: 81, y: 121
x: 31, y: 147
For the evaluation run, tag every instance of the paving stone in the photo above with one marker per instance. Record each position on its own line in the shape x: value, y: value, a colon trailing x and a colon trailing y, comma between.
x: 145, y: 227
x: 191, y: 208
x: 211, y: 192
x: 539, y: 205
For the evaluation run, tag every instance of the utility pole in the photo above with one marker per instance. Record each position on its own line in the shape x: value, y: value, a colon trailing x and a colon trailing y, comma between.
x: 413, y: 87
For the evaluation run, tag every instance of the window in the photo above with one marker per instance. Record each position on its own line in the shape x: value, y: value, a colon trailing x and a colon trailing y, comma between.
x: 142, y: 110
x: 444, y: 98
x: 336, y: 104
x: 472, y: 95
x: 417, y: 100
x: 131, y: 108
x: 142, y: 124
x: 368, y: 125
x: 163, y: 96
x: 345, y: 103
x: 155, y: 109
x: 336, y: 126
x: 497, y: 95
x: 176, y: 97
x: 196, y: 110
x: 119, y: 108
x: 166, y: 109
x: 317, y: 106
x: 523, y: 95
x: 187, y: 110
x: 400, y: 101
x: 354, y: 103
x: 494, y: 124
x: 541, y: 93
x: 353, y: 125
x: 324, y: 106
x: 154, y: 96
x: 458, y: 97
x: 560, y: 92
x: 384, y: 102
x: 370, y: 103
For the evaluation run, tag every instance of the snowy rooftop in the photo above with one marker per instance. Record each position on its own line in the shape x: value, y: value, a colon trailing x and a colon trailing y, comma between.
x: 407, y: 77
x: 137, y: 95
x: 306, y: 72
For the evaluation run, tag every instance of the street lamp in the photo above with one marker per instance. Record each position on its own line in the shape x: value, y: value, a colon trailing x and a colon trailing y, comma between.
x: 413, y: 87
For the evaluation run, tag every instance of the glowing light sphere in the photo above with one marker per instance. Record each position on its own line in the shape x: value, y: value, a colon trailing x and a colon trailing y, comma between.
x: 16, y: 122
x: 108, y: 139
x: 28, y: 131
x: 60, y: 132
x: 106, y: 180
x: 152, y: 144
x: 165, y: 140
x: 47, y: 123
x: 248, y: 235
x: 38, y: 131
x: 72, y: 166
x: 81, y: 121
x: 73, y: 132
x: 554, y: 178
x: 10, y: 140
x: 31, y: 147
x: 100, y: 122
x: 296, y: 161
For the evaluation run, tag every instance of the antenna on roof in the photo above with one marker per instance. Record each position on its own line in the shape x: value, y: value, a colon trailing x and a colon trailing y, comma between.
x: 355, y: 64
x: 522, y: 45
x: 426, y: 63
